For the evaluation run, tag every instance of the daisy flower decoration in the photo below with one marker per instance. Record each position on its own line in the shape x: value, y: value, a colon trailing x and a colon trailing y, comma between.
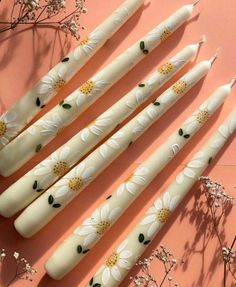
x: 96, y: 225
x: 165, y: 71
x: 51, y: 126
x: 56, y: 165
x: 134, y: 181
x: 96, y: 127
x: 87, y: 45
x: 88, y: 90
x: 200, y: 116
x: 159, y: 213
x: 8, y: 127
x: 145, y: 119
x: 224, y: 131
x: 53, y: 81
x: 161, y: 32
x: 111, y: 144
x: 74, y: 181
x: 120, y: 16
x: 140, y: 94
x: 190, y: 171
x: 115, y: 262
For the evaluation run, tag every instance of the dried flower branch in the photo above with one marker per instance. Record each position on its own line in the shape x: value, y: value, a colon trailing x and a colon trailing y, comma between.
x: 146, y: 279
x: 218, y: 202
x: 45, y: 12
x: 23, y: 270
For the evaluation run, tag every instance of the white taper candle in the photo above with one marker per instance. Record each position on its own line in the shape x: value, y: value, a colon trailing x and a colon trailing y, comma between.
x: 43, y: 175
x: 34, y: 138
x: 21, y: 113
x: 112, y: 272
x: 43, y: 209
x: 73, y: 249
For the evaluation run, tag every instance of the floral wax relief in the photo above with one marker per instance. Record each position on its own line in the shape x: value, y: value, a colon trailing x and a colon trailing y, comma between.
x: 43, y: 175
x: 92, y: 229
x: 34, y: 138
x: 124, y: 257
x: 16, y: 118
x: 43, y: 209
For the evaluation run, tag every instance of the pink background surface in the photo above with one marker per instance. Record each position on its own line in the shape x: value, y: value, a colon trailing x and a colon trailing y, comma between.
x: 29, y: 54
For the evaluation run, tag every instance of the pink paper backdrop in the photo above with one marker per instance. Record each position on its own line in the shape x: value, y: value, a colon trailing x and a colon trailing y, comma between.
x: 25, y: 57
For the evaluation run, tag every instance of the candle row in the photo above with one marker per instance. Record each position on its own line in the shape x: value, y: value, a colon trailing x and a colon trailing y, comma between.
x: 34, y: 138
x: 43, y: 175
x: 76, y: 246
x: 118, y: 264
x: 16, y: 118
x: 63, y: 191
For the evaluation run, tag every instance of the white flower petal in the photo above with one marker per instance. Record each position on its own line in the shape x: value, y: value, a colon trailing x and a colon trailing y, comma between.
x: 153, y: 228
x: 148, y: 219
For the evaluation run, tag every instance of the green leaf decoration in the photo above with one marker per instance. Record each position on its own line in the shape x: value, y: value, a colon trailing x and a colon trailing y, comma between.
x: 181, y: 132
x: 210, y: 160
x: 50, y: 199
x: 186, y: 136
x: 35, y: 185
x: 38, y: 148
x: 66, y: 106
x: 43, y: 106
x: 141, y: 85
x: 79, y: 249
x: 146, y: 242
x: 85, y: 251
x: 91, y: 282
x: 97, y: 285
x: 141, y: 238
x: 156, y: 103
x: 61, y: 103
x: 145, y: 52
x: 56, y: 205
x: 40, y: 189
x: 108, y: 197
x: 65, y: 59
x: 130, y: 143
x: 38, y: 103
x: 142, y: 45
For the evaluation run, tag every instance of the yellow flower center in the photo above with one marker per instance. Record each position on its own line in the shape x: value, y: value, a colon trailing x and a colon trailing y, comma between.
x: 112, y: 260
x: 163, y: 215
x: 3, y: 128
x: 179, y: 87
x: 165, y: 34
x: 202, y: 117
x: 84, y: 41
x: 58, y: 85
x: 75, y: 183
x: 166, y: 68
x: 60, y: 168
x: 87, y: 87
x: 102, y: 226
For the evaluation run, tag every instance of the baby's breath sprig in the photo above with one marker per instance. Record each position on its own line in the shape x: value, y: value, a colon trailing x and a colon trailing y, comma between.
x: 218, y: 202
x: 146, y: 279
x: 44, y: 12
x: 23, y: 269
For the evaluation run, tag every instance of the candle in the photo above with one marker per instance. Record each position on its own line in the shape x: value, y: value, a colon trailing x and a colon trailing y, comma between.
x: 28, y: 143
x: 43, y: 175
x: 62, y: 192
x: 112, y: 271
x: 16, y: 118
x: 94, y: 227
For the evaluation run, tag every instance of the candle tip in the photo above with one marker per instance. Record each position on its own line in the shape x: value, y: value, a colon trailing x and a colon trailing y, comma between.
x: 215, y: 56
x: 233, y: 82
x: 202, y: 40
x: 196, y: 2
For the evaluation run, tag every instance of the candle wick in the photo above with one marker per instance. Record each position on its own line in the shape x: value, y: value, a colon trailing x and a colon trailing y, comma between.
x: 202, y: 40
x: 215, y: 56
x: 196, y: 2
x: 233, y: 82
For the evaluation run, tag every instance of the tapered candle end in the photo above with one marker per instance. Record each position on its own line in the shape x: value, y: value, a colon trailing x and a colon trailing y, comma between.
x: 233, y: 82
x: 202, y: 40
x: 215, y: 56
